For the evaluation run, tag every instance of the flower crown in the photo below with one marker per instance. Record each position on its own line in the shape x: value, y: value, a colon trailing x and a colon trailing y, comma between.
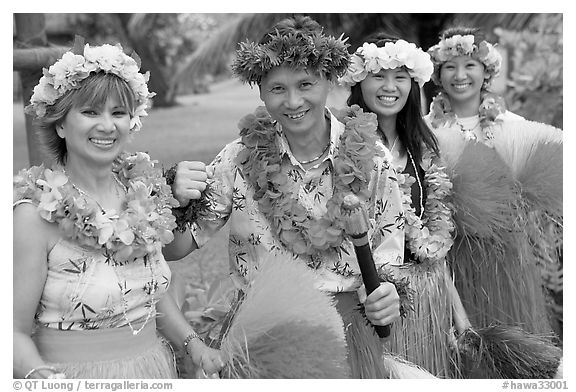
x: 459, y: 45
x: 315, y: 52
x: 370, y: 58
x: 69, y: 71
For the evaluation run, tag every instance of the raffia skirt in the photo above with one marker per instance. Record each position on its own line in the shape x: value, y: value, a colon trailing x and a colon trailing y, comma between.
x: 367, y: 356
x: 107, y: 353
x: 426, y: 336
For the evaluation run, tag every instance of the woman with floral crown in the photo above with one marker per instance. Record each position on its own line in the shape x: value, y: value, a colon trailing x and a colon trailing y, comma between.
x: 90, y: 279
x: 507, y: 186
x: 281, y: 187
x: 464, y: 67
x: 385, y: 78
x: 386, y: 75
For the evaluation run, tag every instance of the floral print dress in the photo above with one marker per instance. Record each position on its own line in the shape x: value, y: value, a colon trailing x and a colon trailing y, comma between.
x: 85, y: 290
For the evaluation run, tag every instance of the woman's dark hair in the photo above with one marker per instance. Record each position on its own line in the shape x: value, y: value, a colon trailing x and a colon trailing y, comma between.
x: 411, y: 128
x: 94, y: 91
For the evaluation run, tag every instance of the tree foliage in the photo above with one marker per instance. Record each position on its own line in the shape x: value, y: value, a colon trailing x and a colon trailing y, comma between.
x: 163, y: 41
x: 535, y: 88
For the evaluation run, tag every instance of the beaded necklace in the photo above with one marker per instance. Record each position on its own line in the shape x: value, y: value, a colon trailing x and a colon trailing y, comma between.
x: 86, y: 194
x: 150, y: 302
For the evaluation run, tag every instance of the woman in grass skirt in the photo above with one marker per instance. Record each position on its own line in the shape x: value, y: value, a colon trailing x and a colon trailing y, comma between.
x: 507, y: 184
x: 385, y: 78
x: 90, y: 279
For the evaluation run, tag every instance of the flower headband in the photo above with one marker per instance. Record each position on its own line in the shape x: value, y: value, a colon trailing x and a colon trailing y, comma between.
x: 459, y: 45
x: 315, y: 52
x: 371, y: 59
x: 67, y: 73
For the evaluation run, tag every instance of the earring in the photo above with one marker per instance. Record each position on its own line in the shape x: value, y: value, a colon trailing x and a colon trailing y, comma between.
x: 58, y: 129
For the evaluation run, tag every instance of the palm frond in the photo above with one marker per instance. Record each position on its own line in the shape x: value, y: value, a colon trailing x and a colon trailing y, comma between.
x: 140, y: 24
x: 215, y: 54
x: 488, y: 22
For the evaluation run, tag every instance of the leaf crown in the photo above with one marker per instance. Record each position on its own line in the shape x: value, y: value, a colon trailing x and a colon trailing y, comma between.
x: 300, y: 50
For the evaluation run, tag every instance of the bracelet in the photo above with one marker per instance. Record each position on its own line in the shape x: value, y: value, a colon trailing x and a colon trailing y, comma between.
x: 42, y: 367
x: 192, y: 335
x: 403, y: 288
x: 188, y: 214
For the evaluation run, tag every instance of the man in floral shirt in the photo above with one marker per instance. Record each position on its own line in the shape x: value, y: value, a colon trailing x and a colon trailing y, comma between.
x: 281, y: 184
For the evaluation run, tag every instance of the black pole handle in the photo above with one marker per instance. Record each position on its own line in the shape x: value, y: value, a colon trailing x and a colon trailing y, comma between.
x: 369, y: 277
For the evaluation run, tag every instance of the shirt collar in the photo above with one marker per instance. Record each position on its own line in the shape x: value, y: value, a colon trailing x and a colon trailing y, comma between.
x: 336, y: 129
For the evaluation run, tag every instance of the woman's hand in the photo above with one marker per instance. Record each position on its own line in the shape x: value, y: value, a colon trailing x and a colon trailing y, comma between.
x: 382, y: 306
x: 207, y: 359
x: 190, y: 181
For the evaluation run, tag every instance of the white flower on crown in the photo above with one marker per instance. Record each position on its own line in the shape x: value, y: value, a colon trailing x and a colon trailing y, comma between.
x: 63, y: 71
x: 107, y: 57
x: 490, y: 57
x: 370, y: 58
x: 44, y: 92
x: 71, y: 69
x: 458, y: 45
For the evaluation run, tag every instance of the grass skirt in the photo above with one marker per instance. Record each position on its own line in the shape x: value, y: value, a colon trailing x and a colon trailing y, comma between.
x: 511, y: 285
x: 366, y: 355
x: 107, y: 353
x: 425, y: 336
x: 494, y: 266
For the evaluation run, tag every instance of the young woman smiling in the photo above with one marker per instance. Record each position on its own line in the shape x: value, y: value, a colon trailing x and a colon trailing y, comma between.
x: 386, y: 76
x: 496, y: 266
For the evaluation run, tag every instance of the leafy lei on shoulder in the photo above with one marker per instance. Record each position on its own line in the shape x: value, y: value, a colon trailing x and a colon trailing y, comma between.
x: 429, y: 237
x: 145, y: 220
x: 260, y: 162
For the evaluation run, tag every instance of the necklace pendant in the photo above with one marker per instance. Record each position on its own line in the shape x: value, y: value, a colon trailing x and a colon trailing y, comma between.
x: 135, y: 332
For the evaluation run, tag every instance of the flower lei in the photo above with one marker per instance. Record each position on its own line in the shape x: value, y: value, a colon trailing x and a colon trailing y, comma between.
x: 429, y: 238
x: 369, y: 58
x: 459, y: 45
x: 491, y: 106
x: 314, y: 51
x: 68, y: 73
x: 292, y: 225
x: 132, y: 233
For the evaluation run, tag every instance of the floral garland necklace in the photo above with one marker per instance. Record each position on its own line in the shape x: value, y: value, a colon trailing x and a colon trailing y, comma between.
x: 124, y: 236
x: 492, y: 105
x: 428, y: 236
x: 134, y: 233
x: 260, y: 162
